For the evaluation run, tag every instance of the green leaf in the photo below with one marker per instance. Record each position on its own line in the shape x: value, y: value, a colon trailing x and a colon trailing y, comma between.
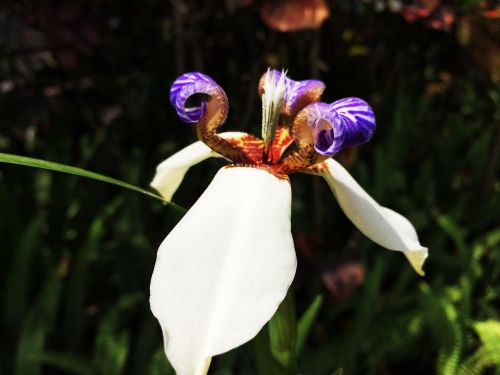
x: 443, y: 320
x: 77, y: 283
x: 489, y: 332
x: 112, y: 344
x: 19, y: 276
x: 112, y: 347
x: 57, y: 167
x: 145, y: 343
x: 68, y: 362
x: 264, y: 360
x: 159, y: 364
x: 488, y: 354
x: 306, y: 322
x: 476, y: 363
x: 455, y: 232
x: 283, y: 334
x: 37, y: 326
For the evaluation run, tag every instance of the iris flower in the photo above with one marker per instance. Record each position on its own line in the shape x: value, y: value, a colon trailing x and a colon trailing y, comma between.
x: 223, y: 270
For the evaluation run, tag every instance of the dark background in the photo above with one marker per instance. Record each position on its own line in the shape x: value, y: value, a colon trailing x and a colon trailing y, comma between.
x: 86, y: 84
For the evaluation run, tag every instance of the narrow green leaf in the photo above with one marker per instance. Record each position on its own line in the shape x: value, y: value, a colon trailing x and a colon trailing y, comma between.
x: 57, y: 167
x: 455, y: 232
x: 159, y: 364
x: 112, y: 347
x: 37, y: 326
x: 264, y: 361
x: 19, y: 276
x: 283, y: 335
x: 306, y: 322
x: 443, y: 320
x: 145, y: 343
x: 68, y: 362
x: 76, y: 285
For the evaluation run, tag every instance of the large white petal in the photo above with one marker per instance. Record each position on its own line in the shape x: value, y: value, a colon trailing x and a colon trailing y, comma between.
x: 382, y: 225
x: 224, y: 269
x: 171, y: 172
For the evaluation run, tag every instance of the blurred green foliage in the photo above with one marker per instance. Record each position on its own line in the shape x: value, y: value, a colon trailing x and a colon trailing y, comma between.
x: 86, y: 84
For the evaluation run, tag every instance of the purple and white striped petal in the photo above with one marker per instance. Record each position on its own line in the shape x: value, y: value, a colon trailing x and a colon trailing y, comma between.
x: 190, y: 84
x: 298, y: 94
x: 344, y: 123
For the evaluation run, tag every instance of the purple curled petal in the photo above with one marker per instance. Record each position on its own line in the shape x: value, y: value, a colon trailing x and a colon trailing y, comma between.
x: 299, y: 93
x: 190, y: 84
x: 344, y: 123
x: 358, y: 117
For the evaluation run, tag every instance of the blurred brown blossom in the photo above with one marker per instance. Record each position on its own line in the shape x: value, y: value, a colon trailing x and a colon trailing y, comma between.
x: 232, y: 5
x: 294, y: 15
x: 343, y: 279
x: 434, y: 15
x: 479, y: 37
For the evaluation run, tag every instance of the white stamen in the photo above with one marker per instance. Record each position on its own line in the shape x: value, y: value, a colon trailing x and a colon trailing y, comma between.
x: 272, y: 100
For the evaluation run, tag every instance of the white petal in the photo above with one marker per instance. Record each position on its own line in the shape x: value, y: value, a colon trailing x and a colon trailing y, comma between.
x: 382, y: 225
x: 171, y: 172
x: 224, y: 269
